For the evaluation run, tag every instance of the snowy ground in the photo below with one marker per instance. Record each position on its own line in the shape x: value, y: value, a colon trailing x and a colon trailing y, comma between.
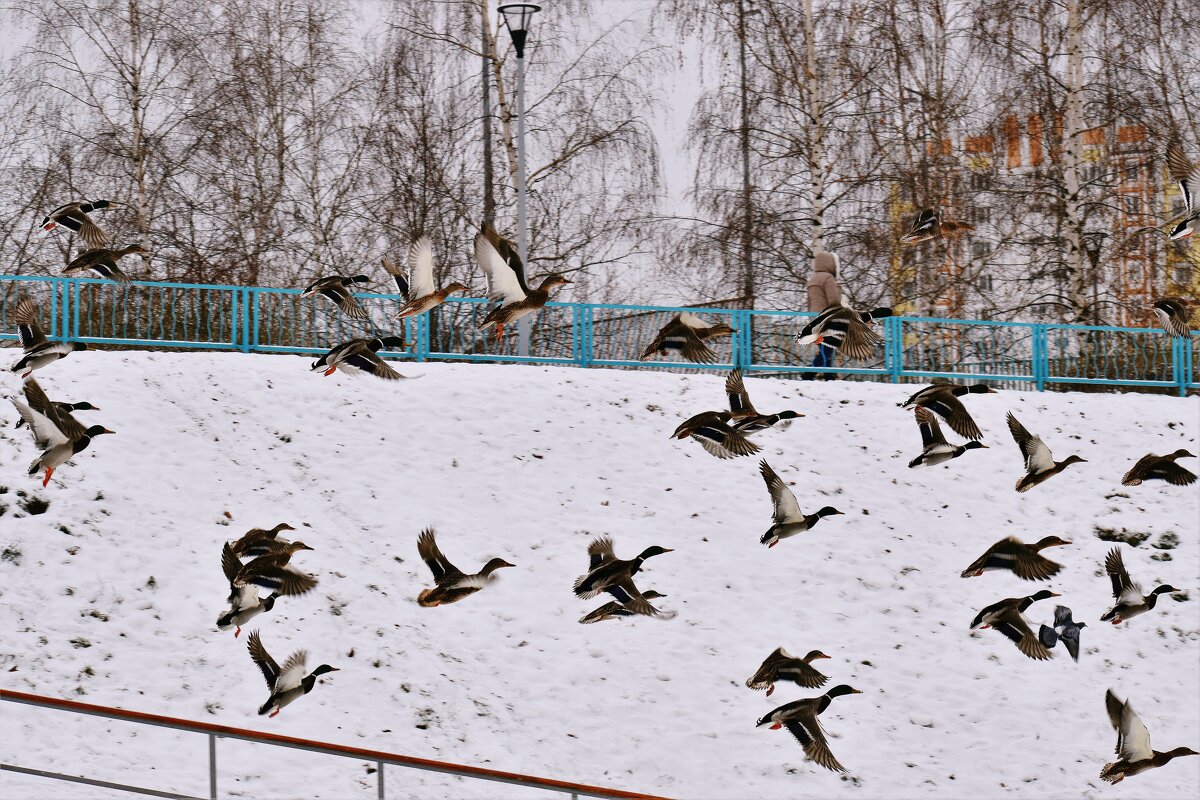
x: 109, y: 596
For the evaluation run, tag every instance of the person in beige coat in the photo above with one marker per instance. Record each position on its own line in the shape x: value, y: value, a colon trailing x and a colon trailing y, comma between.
x: 823, y: 291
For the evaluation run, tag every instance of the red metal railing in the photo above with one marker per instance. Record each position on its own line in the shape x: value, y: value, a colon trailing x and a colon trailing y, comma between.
x: 225, y: 732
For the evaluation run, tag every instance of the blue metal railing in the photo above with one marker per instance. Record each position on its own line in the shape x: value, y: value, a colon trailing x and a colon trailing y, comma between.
x: 266, y: 320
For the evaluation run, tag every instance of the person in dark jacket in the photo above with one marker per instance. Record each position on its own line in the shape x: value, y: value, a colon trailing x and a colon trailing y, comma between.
x: 823, y: 291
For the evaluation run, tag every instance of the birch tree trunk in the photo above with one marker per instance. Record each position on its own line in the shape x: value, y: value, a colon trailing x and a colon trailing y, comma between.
x: 1072, y: 130
x: 816, y: 153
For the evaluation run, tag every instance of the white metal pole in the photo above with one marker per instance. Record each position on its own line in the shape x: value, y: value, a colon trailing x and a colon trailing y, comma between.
x: 522, y: 223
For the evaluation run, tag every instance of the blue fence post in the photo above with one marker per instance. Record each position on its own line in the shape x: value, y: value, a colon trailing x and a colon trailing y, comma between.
x: 895, y: 353
x: 245, y: 321
x: 589, y: 339
x: 235, y: 320
x: 55, y: 322
x: 421, y: 323
x: 748, y: 341
x: 253, y: 298
x: 1183, y: 362
x: 1040, y: 356
x: 73, y: 331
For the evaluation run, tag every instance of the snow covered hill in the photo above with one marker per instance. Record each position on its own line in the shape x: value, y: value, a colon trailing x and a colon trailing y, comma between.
x: 110, y: 583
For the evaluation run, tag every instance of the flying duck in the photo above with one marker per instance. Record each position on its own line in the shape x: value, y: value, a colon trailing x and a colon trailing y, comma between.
x: 1130, y: 600
x: 452, y: 584
x: 615, y: 609
x: 800, y: 718
x: 711, y: 429
x: 258, y: 542
x: 1039, y: 462
x: 358, y: 356
x: 102, y: 262
x: 844, y: 330
x: 781, y: 665
x: 936, y: 450
x: 607, y: 573
x: 39, y: 351
x: 686, y: 334
x: 57, y: 433
x: 1023, y: 560
x: 64, y: 408
x: 275, y: 572
x: 337, y: 289
x: 1006, y: 616
x: 789, y: 519
x: 1064, y: 628
x: 1133, y: 743
x: 74, y: 217
x: 741, y: 409
x: 419, y: 291
x: 287, y: 684
x: 1174, y: 315
x: 1161, y: 468
x: 1184, y: 172
x: 942, y: 399
x: 244, y: 602
x: 930, y: 225
x: 506, y: 282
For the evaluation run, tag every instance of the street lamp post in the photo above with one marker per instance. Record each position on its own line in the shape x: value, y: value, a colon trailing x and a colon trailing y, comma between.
x: 518, y: 16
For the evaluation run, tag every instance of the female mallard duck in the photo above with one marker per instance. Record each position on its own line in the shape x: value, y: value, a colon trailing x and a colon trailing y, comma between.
x: 39, y: 351
x: 711, y: 429
x: 1039, y: 462
x: 844, y: 330
x: 1023, y: 560
x: 418, y: 291
x: 258, y: 542
x: 783, y: 666
x: 942, y: 399
x: 360, y: 355
x: 1133, y: 744
x: 102, y: 262
x: 741, y: 409
x: 506, y: 282
x: 1184, y: 172
x: 615, y: 609
x: 74, y: 217
x: 936, y: 450
x: 1173, y: 314
x: 244, y: 602
x: 607, y: 573
x: 452, y: 583
x: 1006, y: 616
x: 337, y: 289
x: 686, y: 334
x: 287, y: 684
x: 1160, y: 468
x: 1064, y: 628
x: 789, y: 519
x: 58, y: 434
x: 930, y: 225
x: 800, y: 718
x: 1130, y: 600
x: 275, y: 572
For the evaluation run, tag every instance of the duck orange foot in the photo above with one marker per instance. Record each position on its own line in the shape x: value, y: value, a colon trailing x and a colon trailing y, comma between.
x: 330, y: 371
x: 49, y: 472
x: 274, y: 713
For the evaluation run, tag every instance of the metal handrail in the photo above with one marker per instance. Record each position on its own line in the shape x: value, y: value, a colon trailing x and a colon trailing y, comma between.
x: 274, y: 320
x: 214, y: 732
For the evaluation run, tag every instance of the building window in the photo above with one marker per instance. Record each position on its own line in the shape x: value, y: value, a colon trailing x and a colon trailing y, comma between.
x: 981, y: 181
x: 1131, y: 173
x: 984, y: 283
x: 981, y: 250
x: 1133, y: 204
x: 980, y: 214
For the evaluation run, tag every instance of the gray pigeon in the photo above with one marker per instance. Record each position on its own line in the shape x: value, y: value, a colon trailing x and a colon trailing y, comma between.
x: 1065, y: 629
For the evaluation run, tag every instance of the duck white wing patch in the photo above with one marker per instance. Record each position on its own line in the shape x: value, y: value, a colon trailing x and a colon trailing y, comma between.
x: 45, y: 433
x: 420, y: 268
x: 1134, y: 742
x: 473, y: 582
x: 502, y: 281
x: 1038, y: 458
x: 691, y: 320
x: 292, y: 672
